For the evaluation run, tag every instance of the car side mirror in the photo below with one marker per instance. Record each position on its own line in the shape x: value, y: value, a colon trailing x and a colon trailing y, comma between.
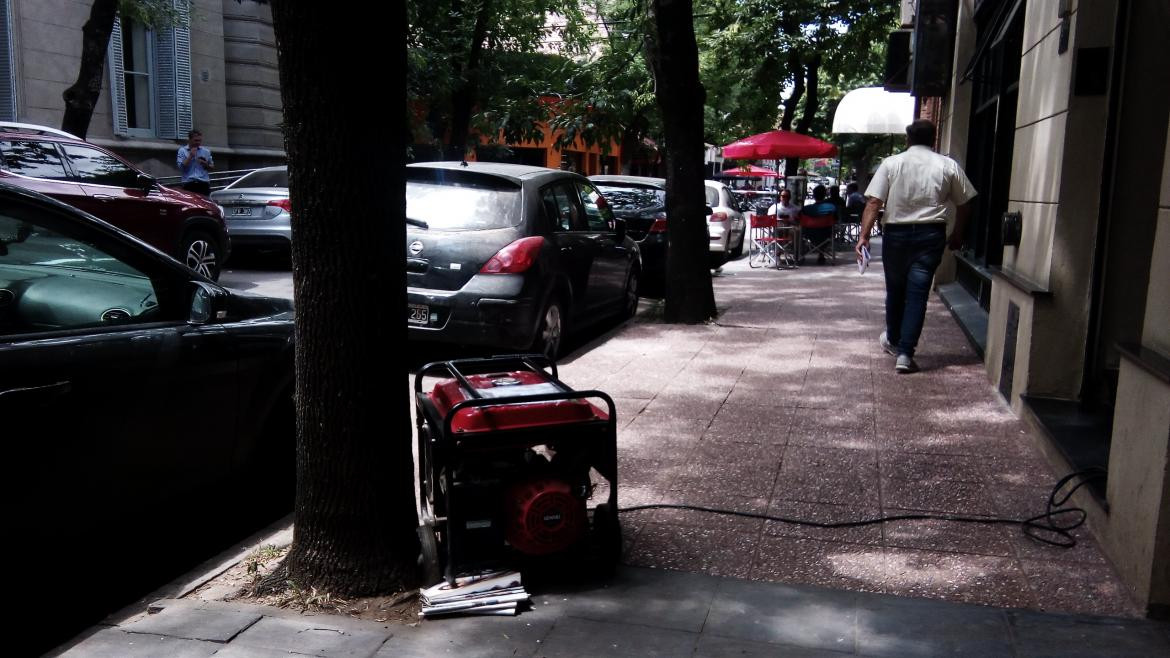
x: 208, y: 304
x: 619, y: 227
x: 146, y: 182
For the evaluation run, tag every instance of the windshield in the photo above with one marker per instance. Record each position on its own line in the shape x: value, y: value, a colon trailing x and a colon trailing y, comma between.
x: 23, y: 244
x: 264, y: 178
x: 622, y: 198
x: 712, y: 196
x: 453, y: 206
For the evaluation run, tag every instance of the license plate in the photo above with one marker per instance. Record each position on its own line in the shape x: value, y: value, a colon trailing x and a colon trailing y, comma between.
x: 241, y: 210
x: 418, y: 314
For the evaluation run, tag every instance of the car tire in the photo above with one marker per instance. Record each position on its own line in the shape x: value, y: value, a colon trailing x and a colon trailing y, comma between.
x: 738, y: 251
x: 201, y: 252
x: 717, y: 259
x: 630, y: 299
x: 551, y: 331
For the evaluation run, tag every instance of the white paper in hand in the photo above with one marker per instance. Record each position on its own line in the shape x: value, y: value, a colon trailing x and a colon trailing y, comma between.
x: 863, y: 260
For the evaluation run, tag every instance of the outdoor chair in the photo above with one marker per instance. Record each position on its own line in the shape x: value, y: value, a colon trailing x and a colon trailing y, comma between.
x: 819, y: 236
x: 770, y: 244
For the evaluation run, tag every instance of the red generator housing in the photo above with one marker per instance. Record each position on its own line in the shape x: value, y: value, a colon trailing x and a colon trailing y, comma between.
x: 509, y: 460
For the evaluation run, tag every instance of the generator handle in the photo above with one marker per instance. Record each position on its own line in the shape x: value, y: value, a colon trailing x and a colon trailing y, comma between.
x: 449, y: 419
x: 534, y: 362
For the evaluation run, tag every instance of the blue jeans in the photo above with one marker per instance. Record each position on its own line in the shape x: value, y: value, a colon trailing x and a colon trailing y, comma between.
x: 910, y: 255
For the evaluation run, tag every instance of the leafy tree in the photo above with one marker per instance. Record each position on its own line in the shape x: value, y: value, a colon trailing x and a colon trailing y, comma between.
x: 82, y: 96
x: 459, y: 57
x: 355, y: 519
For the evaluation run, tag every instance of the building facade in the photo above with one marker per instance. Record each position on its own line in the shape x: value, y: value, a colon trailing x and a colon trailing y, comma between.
x: 215, y: 71
x: 1059, y: 111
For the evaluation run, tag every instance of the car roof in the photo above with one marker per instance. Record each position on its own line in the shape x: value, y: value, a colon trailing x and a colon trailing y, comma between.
x: 635, y: 180
x: 514, y: 172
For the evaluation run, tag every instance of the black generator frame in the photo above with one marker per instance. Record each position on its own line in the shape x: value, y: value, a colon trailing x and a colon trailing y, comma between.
x: 440, y: 446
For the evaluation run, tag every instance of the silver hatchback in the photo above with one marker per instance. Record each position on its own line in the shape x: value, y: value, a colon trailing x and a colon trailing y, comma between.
x: 257, y: 209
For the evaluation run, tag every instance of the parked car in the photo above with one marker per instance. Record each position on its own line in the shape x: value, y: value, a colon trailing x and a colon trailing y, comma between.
x: 725, y: 225
x: 147, y: 413
x: 180, y: 223
x: 512, y: 256
x: 641, y: 202
x: 257, y: 209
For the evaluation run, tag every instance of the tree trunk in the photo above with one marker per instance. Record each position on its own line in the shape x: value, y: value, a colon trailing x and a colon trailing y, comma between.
x: 81, y: 98
x: 674, y: 58
x: 812, y: 97
x: 355, y: 516
x: 467, y: 88
x: 792, y: 165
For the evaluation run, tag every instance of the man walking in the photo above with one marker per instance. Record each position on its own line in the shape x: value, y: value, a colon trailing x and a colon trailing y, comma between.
x: 918, y: 188
x: 194, y: 161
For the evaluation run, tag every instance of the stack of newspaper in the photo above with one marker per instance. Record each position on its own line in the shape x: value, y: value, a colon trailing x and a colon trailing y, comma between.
x: 491, y: 593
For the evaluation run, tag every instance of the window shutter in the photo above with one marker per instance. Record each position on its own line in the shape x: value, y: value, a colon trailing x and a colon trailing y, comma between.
x: 7, y: 72
x: 118, y: 81
x: 173, y: 76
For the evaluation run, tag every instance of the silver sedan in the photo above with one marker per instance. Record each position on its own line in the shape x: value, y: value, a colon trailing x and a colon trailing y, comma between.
x: 257, y: 209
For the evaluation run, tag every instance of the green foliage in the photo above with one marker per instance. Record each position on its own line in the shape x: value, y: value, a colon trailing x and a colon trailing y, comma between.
x: 155, y: 13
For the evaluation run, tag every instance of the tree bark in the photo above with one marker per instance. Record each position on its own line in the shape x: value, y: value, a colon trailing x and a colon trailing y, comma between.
x: 82, y: 96
x: 812, y: 73
x: 674, y: 57
x: 355, y: 516
x: 467, y: 89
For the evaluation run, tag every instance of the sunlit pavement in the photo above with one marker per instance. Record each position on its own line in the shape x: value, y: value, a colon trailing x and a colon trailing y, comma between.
x: 786, y: 406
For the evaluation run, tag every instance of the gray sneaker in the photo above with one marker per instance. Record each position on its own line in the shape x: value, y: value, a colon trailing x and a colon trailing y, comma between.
x: 905, y: 365
x: 884, y: 341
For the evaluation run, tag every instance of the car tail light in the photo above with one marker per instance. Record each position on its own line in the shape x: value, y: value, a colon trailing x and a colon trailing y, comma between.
x: 284, y: 204
x: 515, y: 258
x: 659, y: 225
x: 719, y: 217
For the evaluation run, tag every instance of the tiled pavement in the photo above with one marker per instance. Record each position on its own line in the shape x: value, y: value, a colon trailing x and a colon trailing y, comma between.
x: 787, y: 406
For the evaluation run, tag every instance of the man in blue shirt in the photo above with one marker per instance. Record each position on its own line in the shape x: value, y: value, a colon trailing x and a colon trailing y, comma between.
x: 816, y: 222
x: 194, y: 161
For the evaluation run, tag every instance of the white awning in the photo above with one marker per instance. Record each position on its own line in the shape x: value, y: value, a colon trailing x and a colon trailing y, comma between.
x: 873, y: 110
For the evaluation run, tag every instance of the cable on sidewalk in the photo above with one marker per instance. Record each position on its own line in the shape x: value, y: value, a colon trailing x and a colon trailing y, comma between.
x: 1049, y: 523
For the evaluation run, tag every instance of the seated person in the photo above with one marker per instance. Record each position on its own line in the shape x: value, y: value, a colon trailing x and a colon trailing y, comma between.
x: 817, y: 219
x: 784, y: 210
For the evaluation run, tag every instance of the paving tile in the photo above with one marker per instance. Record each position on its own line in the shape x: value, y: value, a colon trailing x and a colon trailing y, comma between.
x: 811, y: 459
x: 825, y: 564
x: 1086, y: 549
x: 1078, y: 588
x: 956, y: 577
x: 195, y: 623
x: 711, y: 451
x: 728, y: 479
x: 964, y: 498
x: 585, y: 637
x: 470, y: 637
x: 917, y: 467
x: 713, y: 500
x: 694, y: 549
x: 898, y: 626
x: 117, y: 643
x: 805, y: 617
x: 856, y: 487
x: 715, y: 646
x: 643, y: 597
x: 1055, y: 636
x: 313, y: 636
x: 980, y: 539
x: 824, y: 513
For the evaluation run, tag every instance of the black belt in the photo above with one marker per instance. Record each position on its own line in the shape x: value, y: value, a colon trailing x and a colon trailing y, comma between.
x: 912, y: 228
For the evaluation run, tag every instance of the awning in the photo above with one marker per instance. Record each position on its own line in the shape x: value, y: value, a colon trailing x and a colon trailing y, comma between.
x: 873, y: 110
x: 776, y: 144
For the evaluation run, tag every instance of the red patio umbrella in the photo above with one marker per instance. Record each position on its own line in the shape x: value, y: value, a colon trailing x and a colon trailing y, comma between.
x: 751, y: 171
x: 777, y: 144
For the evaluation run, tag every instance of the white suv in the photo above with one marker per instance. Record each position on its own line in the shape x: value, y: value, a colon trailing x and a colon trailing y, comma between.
x: 725, y: 225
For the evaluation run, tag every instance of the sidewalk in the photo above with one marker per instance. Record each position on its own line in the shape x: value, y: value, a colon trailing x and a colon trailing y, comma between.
x: 785, y: 406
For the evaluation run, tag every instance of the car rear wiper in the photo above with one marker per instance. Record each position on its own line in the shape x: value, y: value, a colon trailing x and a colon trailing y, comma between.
x: 417, y: 222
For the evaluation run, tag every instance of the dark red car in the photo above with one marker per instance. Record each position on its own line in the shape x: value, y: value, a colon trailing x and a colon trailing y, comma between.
x: 184, y: 225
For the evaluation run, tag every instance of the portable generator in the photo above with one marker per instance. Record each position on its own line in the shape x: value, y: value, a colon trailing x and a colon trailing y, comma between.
x: 509, y: 458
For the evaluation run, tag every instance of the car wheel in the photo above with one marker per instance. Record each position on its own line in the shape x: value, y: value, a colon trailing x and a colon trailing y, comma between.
x: 717, y: 259
x: 200, y: 252
x: 630, y: 304
x: 738, y: 251
x: 551, y: 330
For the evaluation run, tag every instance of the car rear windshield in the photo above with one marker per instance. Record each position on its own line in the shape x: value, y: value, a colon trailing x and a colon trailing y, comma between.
x: 452, y: 201
x: 632, y: 197
x: 712, y: 196
x: 264, y: 178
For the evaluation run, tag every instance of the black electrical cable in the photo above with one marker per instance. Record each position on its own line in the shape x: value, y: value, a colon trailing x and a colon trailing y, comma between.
x: 1033, y: 527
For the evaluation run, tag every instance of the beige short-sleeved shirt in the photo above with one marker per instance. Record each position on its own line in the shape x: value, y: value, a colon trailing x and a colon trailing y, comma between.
x: 919, y: 186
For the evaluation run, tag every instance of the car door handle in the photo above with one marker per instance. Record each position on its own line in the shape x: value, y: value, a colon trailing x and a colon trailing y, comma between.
x: 103, y: 197
x: 46, y: 390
